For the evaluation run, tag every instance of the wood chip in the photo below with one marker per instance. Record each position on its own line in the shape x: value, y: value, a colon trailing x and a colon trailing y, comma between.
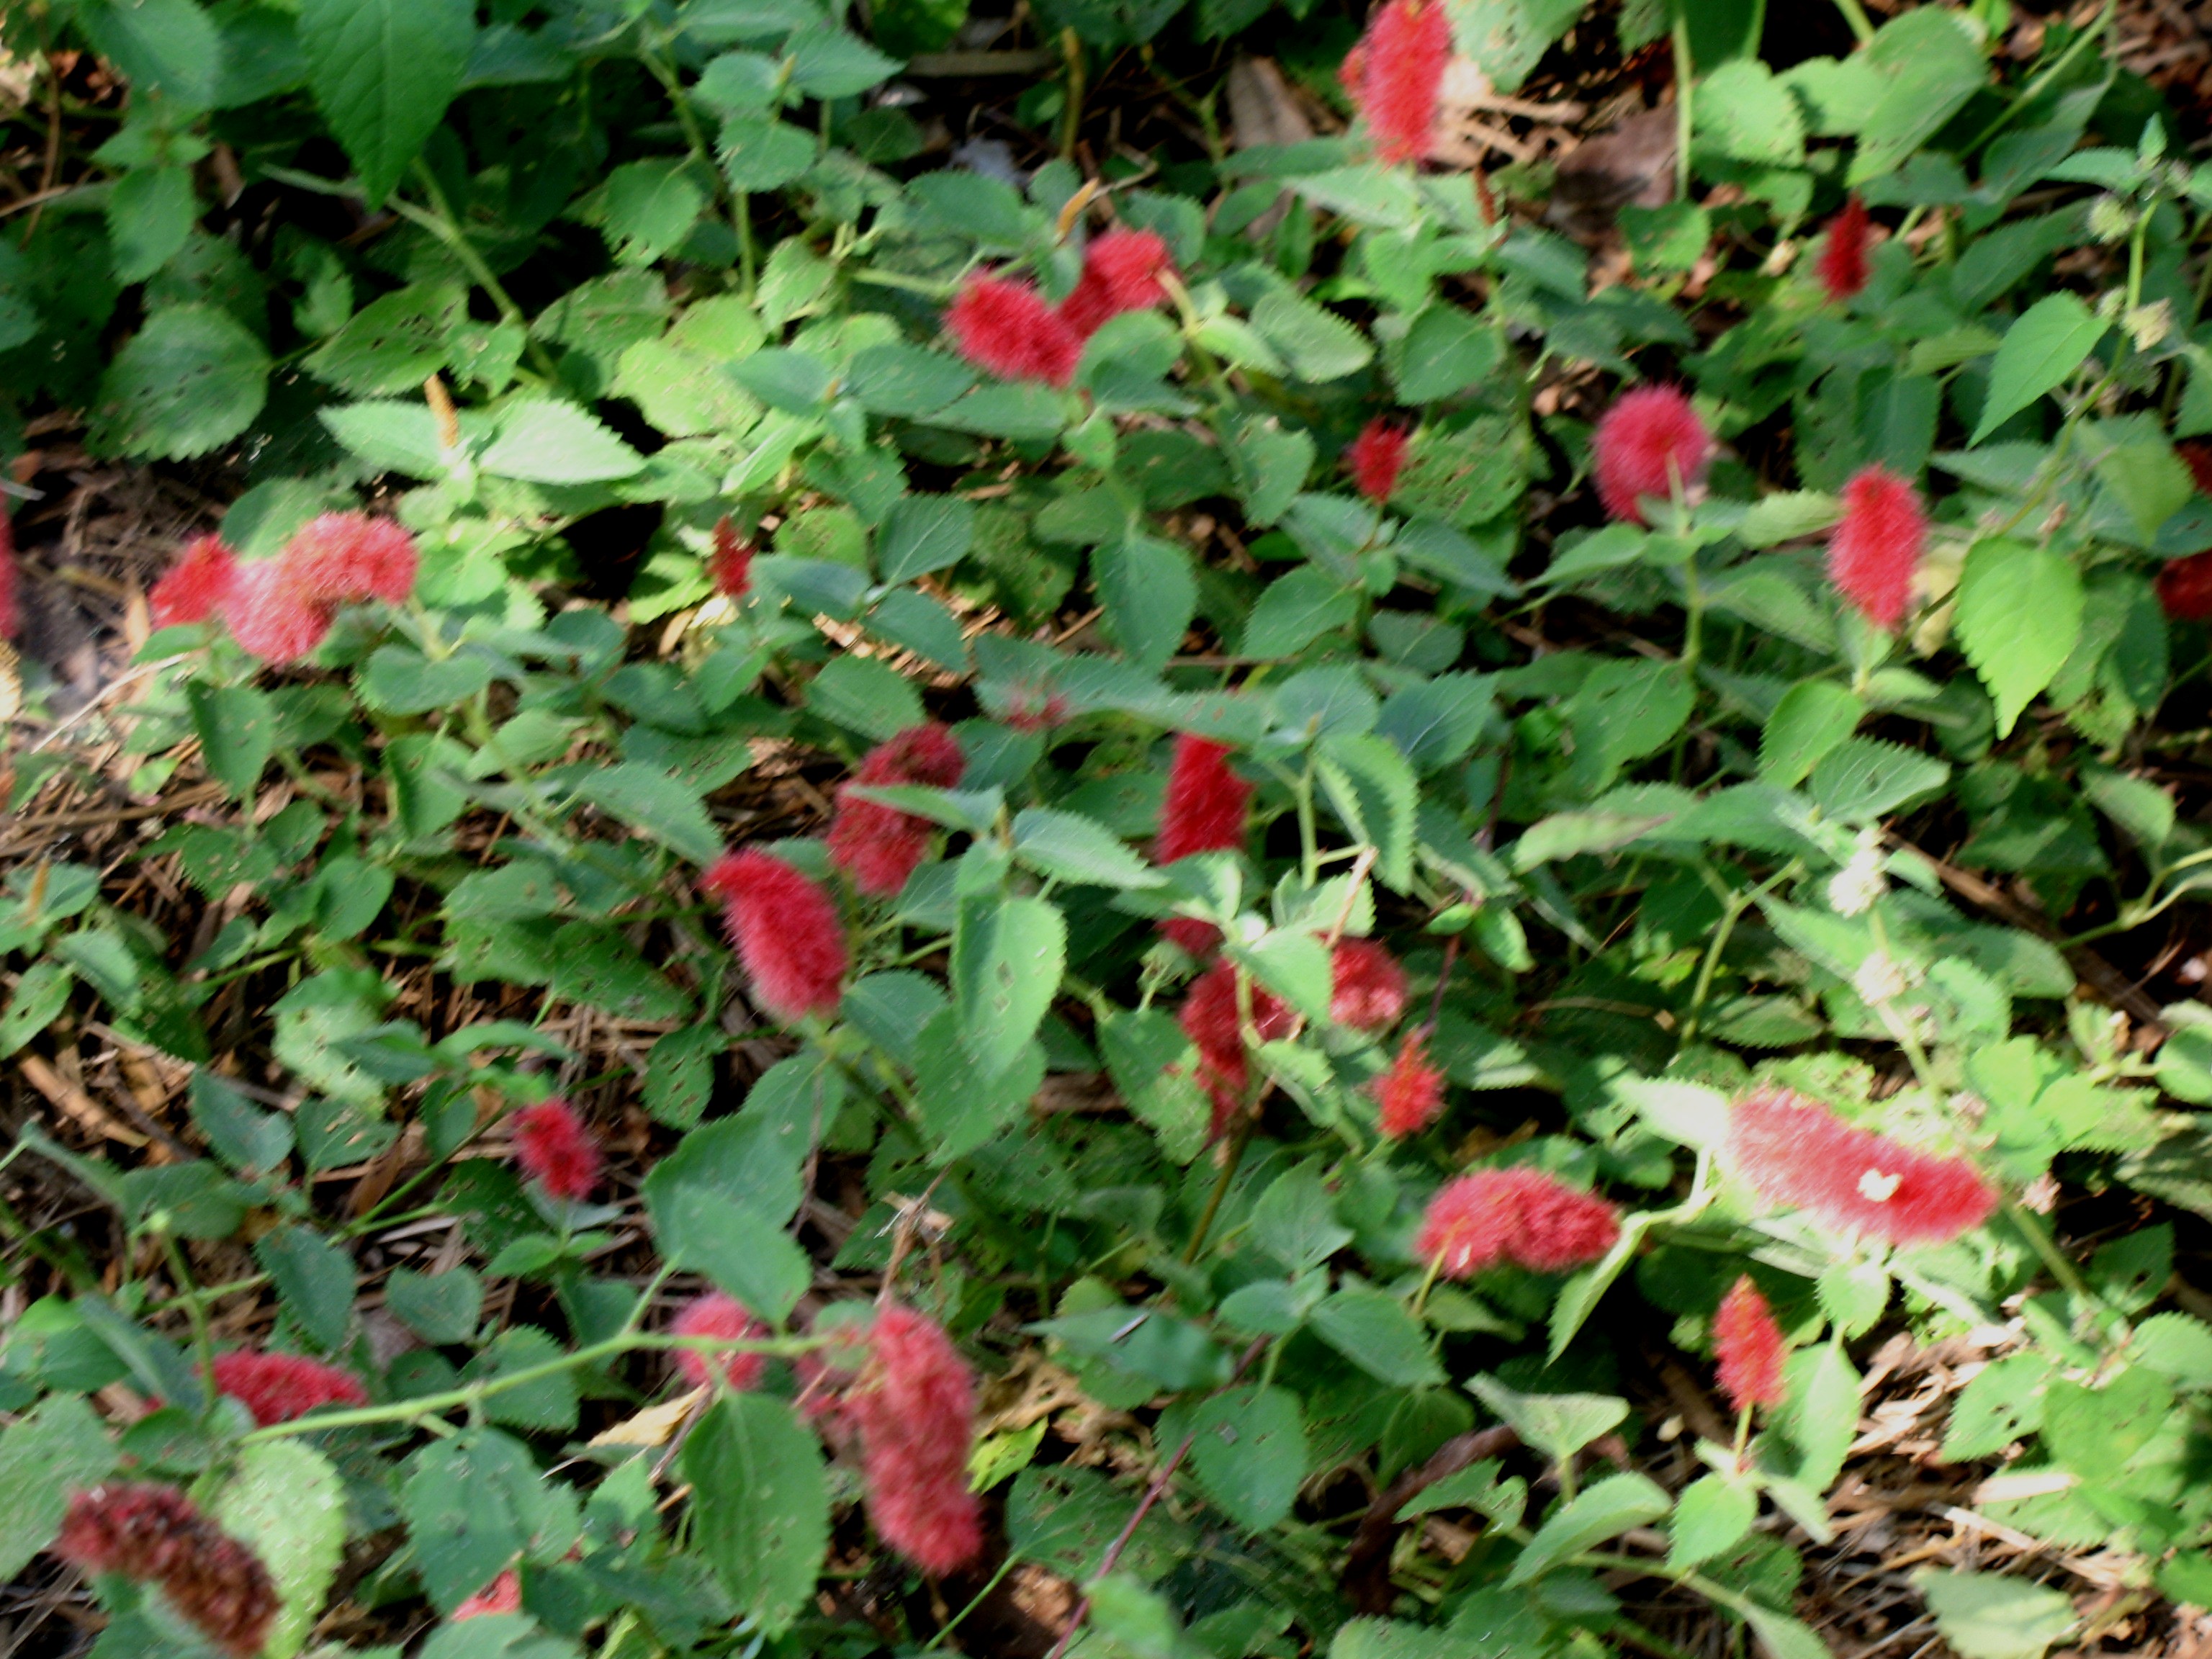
x: 654, y: 1425
x: 75, y: 1103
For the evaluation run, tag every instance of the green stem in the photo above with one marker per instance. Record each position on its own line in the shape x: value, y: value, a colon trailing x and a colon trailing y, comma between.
x: 1428, y: 1283
x: 202, y: 1338
x: 2034, y: 88
x: 1013, y: 1559
x: 1733, y: 913
x: 440, y: 223
x: 1685, y: 114
x: 2041, y: 1240
x: 1855, y: 15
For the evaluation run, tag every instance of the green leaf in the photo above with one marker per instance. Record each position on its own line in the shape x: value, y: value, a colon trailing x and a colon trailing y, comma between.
x: 237, y: 728
x: 1606, y: 1509
x: 1558, y: 1425
x: 1007, y: 955
x: 1505, y: 38
x: 758, y: 153
x: 190, y: 381
x: 1295, y: 1220
x: 1571, y: 835
x: 1374, y: 1331
x: 38, y: 998
x: 2140, y: 469
x: 1787, y: 514
x: 53, y: 1449
x: 899, y: 379
x: 2020, y: 614
x: 543, y: 441
x: 1929, y: 65
x: 400, y: 680
x: 1783, y: 1636
x: 382, y: 72
x: 649, y: 800
x: 680, y: 1074
x: 1822, y: 1412
x: 548, y: 1401
x: 1863, y: 779
x: 1148, y: 594
x: 440, y: 1308
x: 1813, y: 717
x: 169, y: 46
x: 286, y: 1503
x: 961, y: 1109
x: 1270, y: 463
x: 313, y: 1277
x: 1371, y: 787
x: 1154, y: 1067
x: 650, y: 207
x: 2041, y: 352
x: 1070, y: 846
x: 1446, y: 349
x: 925, y: 533
x: 1709, y: 1516
x: 1316, y: 344
x: 760, y: 1505
x: 1987, y: 1615
x: 828, y: 63
x: 1747, y: 115
x: 1250, y: 1452
x: 394, y: 341
x: 150, y: 212
x: 472, y: 1505
x: 1295, y: 611
x: 868, y: 695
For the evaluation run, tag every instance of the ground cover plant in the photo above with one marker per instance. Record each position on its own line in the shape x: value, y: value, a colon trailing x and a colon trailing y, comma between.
x: 1165, y: 898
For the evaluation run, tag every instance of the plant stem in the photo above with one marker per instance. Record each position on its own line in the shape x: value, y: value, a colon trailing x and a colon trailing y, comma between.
x: 1855, y: 15
x: 1685, y: 113
x: 2041, y: 1240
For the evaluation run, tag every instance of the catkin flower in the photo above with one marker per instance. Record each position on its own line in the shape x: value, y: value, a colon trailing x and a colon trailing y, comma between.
x: 730, y: 565
x: 1377, y: 457
x: 1876, y: 548
x: 727, y: 1318
x: 555, y: 1150
x: 2185, y: 588
x: 153, y: 1535
x: 1367, y: 988
x: 1204, y: 808
x: 1210, y: 1018
x: 11, y: 610
x: 1396, y: 74
x: 193, y: 589
x: 1648, y: 442
x: 345, y: 558
x: 1748, y: 1345
x: 879, y: 846
x: 1797, y: 1152
x: 1843, y: 263
x: 787, y: 931
x: 1007, y: 327
x: 1411, y: 1093
x: 1122, y: 271
x: 269, y: 615
x: 278, y: 1388
x: 915, y: 1407
x: 1520, y: 1215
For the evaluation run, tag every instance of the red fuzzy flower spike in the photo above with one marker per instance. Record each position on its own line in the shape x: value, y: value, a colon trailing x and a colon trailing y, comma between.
x: 1122, y: 271
x: 270, y: 617
x: 153, y: 1535
x: 1795, y: 1151
x: 195, y: 587
x: 1206, y: 803
x: 279, y: 1387
x: 1843, y: 263
x: 1007, y: 327
x: 1377, y: 457
x: 1647, y: 440
x: 1209, y: 1019
x: 502, y: 1594
x: 1367, y: 990
x: 880, y: 845
x: 1748, y: 1344
x: 11, y: 612
x: 1520, y: 1215
x: 727, y: 1318
x: 2185, y: 588
x: 1874, y: 551
x: 915, y: 1407
x: 344, y: 558
x: 1395, y: 73
x: 555, y: 1150
x: 1412, y: 1092
x: 786, y: 931
x: 731, y: 565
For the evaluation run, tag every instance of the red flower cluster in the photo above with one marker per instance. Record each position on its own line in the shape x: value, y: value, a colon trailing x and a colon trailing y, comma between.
x: 1204, y: 809
x: 11, y: 612
x: 153, y: 1535
x: 1367, y: 988
x: 730, y: 565
x: 1377, y: 457
x: 1004, y: 325
x: 915, y: 1408
x: 1395, y: 73
x: 1874, y: 551
x: 280, y: 609
x: 786, y: 931
x: 1412, y: 1092
x: 279, y: 1387
x: 1795, y: 1151
x: 1647, y: 440
x: 502, y: 1594
x: 1748, y: 1344
x: 1843, y: 262
x: 1520, y: 1215
x: 555, y: 1150
x: 725, y: 1317
x: 880, y: 845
